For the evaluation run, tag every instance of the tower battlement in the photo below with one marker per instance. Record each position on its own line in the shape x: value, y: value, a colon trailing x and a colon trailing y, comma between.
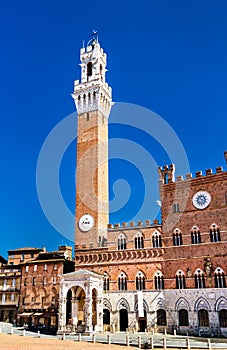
x: 133, y: 224
x: 167, y: 173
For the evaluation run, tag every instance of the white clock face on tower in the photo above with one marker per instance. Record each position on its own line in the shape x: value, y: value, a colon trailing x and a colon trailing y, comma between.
x: 201, y: 199
x: 86, y: 222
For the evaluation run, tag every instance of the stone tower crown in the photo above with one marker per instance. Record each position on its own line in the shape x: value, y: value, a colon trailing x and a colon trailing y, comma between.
x: 92, y: 92
x: 166, y: 174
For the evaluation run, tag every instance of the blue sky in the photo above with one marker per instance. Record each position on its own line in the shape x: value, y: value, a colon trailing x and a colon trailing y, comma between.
x: 167, y: 56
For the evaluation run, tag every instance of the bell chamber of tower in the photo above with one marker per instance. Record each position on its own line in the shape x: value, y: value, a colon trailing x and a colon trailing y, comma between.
x: 92, y: 92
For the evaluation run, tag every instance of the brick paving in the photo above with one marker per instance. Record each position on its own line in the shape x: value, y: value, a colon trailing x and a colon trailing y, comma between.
x: 15, y: 342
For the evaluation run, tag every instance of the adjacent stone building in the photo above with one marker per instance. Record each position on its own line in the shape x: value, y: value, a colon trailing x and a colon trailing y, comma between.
x: 29, y: 286
x: 10, y: 281
x: 39, y: 291
x: 145, y: 275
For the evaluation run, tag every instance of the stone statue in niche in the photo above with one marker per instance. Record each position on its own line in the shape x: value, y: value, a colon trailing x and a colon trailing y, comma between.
x: 208, y: 267
x: 189, y: 272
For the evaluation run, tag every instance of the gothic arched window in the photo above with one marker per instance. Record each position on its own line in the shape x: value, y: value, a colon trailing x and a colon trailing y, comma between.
x: 140, y: 281
x: 122, y: 281
x: 121, y: 242
x: 214, y: 233
x: 159, y: 280
x: 156, y: 239
x: 195, y: 235
x: 139, y: 243
x: 177, y: 237
x: 199, y: 279
x: 219, y: 278
x: 180, y: 280
x: 106, y: 282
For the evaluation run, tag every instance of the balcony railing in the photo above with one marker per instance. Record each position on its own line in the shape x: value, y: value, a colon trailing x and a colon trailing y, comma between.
x: 9, y: 302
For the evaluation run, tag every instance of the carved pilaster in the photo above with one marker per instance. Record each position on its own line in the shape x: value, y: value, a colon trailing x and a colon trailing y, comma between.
x: 88, y: 314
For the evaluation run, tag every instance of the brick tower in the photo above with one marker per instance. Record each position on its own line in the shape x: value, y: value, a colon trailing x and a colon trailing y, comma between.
x: 92, y: 97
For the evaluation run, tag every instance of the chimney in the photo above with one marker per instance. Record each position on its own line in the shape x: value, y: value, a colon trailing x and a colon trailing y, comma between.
x: 225, y: 155
x: 66, y: 250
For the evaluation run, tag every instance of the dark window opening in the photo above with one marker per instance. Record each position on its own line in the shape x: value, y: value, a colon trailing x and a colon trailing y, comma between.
x: 203, y: 318
x: 161, y: 317
x: 101, y: 72
x: 106, y: 316
x: 223, y: 318
x: 183, y: 317
x: 89, y: 69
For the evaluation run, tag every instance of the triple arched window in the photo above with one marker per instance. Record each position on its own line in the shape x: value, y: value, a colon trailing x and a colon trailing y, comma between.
x: 195, y: 235
x: 122, y: 281
x: 214, y: 233
x: 177, y: 237
x: 106, y: 282
x: 199, y: 279
x: 121, y: 242
x: 140, y: 281
x: 180, y: 280
x: 139, y: 240
x: 156, y: 239
x: 219, y: 278
x: 158, y: 280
